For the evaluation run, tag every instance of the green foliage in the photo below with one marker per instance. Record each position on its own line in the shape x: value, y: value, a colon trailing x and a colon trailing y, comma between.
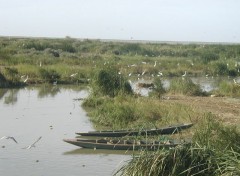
x: 158, y: 89
x: 220, y: 68
x: 228, y: 89
x: 214, y: 151
x: 208, y: 57
x: 12, y: 74
x: 49, y: 75
x: 115, y: 112
x: 109, y: 82
x: 211, y: 133
x: 184, y: 86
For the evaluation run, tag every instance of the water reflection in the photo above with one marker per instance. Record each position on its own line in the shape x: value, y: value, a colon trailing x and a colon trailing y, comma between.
x: 2, y: 93
x: 48, y: 90
x: 207, y: 84
x: 11, y: 96
x: 85, y: 151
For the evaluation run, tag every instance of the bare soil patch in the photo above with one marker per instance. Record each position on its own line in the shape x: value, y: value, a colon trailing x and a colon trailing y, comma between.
x: 227, y: 109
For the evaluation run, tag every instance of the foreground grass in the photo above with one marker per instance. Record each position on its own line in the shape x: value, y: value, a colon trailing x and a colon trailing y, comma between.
x: 214, y: 151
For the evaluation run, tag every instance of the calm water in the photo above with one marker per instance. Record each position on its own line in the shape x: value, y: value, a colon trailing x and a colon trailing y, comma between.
x: 50, y: 112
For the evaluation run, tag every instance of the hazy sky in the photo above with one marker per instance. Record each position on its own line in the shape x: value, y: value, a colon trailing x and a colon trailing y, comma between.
x: 161, y: 20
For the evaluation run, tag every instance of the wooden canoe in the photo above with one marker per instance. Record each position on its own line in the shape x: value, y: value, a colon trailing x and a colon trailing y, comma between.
x: 120, y: 144
x: 120, y: 133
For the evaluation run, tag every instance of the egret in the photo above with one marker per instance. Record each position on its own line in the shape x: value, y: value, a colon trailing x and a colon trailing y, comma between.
x: 73, y: 75
x: 9, y: 137
x: 33, y: 144
x: 235, y: 82
x: 155, y: 64
x: 185, y: 73
x: 160, y: 73
x: 26, y: 79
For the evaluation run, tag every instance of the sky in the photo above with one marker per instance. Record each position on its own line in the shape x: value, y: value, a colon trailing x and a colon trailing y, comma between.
x: 155, y: 20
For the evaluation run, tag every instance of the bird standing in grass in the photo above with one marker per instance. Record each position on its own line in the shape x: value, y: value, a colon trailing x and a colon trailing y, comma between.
x: 185, y: 73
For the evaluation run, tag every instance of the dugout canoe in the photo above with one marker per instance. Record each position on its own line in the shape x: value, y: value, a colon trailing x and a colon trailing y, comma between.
x: 121, y: 144
x: 121, y: 133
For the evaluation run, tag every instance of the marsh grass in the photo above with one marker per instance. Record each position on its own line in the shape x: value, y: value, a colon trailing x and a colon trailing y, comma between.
x: 85, y: 57
x: 123, y: 112
x: 228, y: 89
x: 185, y: 86
x: 212, y: 152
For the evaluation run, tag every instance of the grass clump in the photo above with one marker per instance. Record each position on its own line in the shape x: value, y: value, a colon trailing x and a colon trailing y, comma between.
x: 111, y: 83
x: 49, y: 75
x: 158, y: 89
x: 185, y: 86
x: 214, y: 151
x: 228, y: 89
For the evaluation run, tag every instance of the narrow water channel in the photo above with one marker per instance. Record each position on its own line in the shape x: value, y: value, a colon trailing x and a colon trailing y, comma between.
x: 52, y: 113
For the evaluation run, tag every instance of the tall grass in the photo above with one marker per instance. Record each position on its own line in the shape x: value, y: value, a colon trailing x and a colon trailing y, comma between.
x: 228, y: 89
x: 184, y: 86
x: 212, y: 152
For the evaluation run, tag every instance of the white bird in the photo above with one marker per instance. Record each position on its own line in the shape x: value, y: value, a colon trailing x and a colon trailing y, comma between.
x: 9, y: 137
x: 23, y: 76
x: 73, y: 75
x: 33, y: 144
x: 184, y: 74
x: 160, y: 73
x: 26, y: 79
x: 155, y: 64
x: 235, y: 82
x: 143, y: 72
x: 129, y: 74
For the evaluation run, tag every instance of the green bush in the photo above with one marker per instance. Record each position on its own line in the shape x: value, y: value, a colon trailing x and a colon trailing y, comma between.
x: 49, y: 75
x: 110, y: 82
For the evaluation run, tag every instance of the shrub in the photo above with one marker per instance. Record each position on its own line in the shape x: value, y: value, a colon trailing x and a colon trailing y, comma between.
x: 49, y: 75
x: 110, y: 82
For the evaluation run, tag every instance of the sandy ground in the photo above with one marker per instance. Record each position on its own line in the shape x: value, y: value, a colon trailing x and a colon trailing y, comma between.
x: 227, y: 109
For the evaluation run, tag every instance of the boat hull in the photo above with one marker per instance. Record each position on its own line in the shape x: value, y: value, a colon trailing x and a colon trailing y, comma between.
x: 121, y: 145
x: 121, y: 133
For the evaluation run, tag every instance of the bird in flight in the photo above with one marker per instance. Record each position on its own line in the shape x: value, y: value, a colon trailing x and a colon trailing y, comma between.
x: 33, y: 144
x: 9, y: 137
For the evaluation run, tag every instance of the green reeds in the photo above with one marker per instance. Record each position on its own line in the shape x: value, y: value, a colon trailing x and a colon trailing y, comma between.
x: 184, y: 86
x: 213, y: 152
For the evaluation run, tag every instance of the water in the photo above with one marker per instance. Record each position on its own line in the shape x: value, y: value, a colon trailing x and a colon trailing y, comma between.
x: 207, y: 84
x: 50, y: 112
